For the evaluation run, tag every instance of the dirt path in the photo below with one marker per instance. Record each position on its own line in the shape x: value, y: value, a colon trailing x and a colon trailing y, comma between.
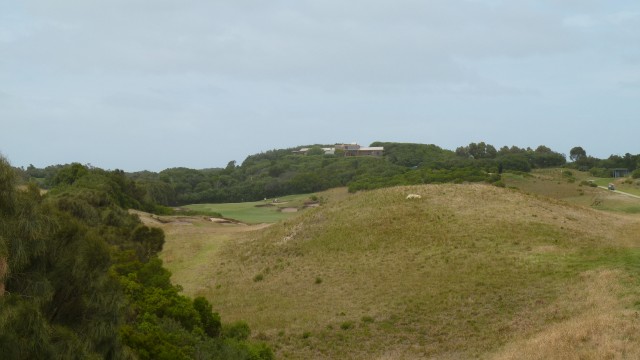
x: 619, y: 192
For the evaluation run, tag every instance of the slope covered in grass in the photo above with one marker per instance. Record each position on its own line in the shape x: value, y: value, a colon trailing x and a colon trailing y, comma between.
x: 466, y: 271
x: 573, y: 186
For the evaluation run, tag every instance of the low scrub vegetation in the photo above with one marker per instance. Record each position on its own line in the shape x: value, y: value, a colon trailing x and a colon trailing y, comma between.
x: 80, y: 278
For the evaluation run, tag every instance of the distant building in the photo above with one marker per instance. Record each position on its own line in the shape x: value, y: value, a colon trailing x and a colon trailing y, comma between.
x: 348, y: 150
x: 304, y: 151
x: 617, y: 173
x: 357, y: 150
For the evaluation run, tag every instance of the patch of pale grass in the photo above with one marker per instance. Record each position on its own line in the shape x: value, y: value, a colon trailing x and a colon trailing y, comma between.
x: 189, y: 251
x: 603, y: 328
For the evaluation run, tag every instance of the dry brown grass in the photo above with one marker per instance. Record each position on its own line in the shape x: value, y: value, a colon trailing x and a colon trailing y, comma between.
x: 189, y: 251
x: 460, y: 273
x: 191, y: 243
x: 604, y: 327
x: 3, y: 272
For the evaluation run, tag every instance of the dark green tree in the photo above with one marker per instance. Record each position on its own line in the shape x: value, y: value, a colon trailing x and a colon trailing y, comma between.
x: 69, y: 174
x: 315, y: 150
x: 210, y: 320
x: 148, y: 240
x: 577, y: 153
x: 543, y: 150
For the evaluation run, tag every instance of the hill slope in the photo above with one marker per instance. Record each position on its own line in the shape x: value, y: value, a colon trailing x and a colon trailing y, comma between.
x: 465, y: 271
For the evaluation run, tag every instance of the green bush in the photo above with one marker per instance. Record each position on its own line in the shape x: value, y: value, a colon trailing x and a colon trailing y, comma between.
x: 346, y: 325
x: 238, y: 330
x: 210, y: 320
x: 600, y: 172
x: 86, y: 281
x: 367, y: 319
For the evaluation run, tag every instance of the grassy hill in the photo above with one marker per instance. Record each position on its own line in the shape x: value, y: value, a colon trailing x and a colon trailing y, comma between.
x: 467, y: 271
x: 574, y: 186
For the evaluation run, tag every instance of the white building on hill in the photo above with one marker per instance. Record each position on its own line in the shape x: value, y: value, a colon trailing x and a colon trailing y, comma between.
x: 352, y: 149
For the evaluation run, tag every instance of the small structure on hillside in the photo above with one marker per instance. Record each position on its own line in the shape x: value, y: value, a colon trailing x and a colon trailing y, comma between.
x: 620, y: 172
x: 304, y: 151
x: 352, y: 149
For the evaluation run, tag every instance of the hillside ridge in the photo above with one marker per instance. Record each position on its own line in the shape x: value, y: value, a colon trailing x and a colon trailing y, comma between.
x: 454, y: 274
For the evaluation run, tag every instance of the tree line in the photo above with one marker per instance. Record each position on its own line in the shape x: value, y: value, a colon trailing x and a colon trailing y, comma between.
x: 282, y: 172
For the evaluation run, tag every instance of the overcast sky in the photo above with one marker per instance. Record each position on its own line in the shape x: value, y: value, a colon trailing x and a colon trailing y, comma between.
x: 153, y: 84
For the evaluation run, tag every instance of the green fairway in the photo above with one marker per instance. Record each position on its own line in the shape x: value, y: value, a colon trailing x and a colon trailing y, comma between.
x: 269, y: 211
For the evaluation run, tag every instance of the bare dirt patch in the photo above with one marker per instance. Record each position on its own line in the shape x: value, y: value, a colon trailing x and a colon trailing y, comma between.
x: 226, y: 221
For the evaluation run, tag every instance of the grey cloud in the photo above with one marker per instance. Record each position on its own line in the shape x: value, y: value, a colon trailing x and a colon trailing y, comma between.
x: 246, y: 74
x: 145, y: 102
x: 359, y: 43
x: 631, y: 84
x: 6, y: 36
x: 579, y: 21
x: 6, y: 103
x: 623, y: 17
x: 613, y: 19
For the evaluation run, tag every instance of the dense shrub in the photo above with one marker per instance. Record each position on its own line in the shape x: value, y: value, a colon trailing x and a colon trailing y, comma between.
x: 80, y: 278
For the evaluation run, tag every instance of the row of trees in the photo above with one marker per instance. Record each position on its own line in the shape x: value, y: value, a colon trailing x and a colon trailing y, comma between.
x: 602, y: 167
x: 80, y: 277
x: 280, y: 172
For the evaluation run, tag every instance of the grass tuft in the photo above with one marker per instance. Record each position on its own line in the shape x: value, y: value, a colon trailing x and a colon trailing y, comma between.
x: 346, y: 325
